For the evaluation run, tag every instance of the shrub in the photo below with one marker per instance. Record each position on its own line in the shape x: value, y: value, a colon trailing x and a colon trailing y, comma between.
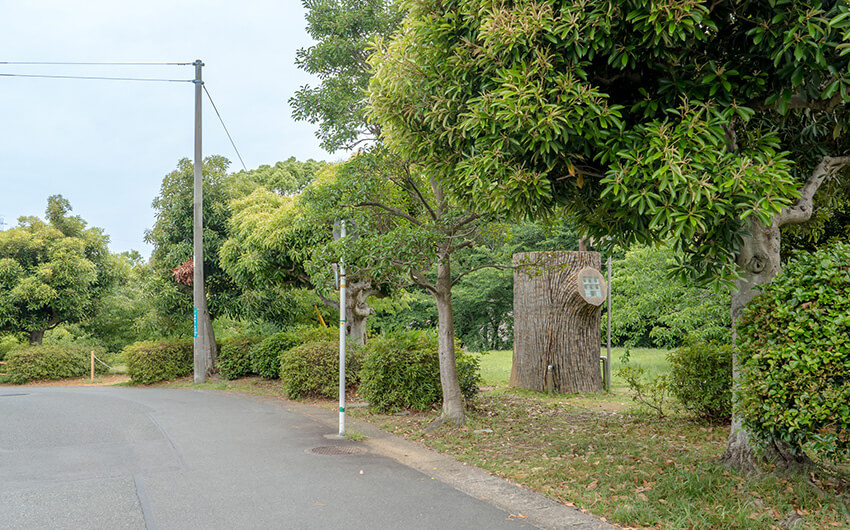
x: 795, y: 356
x: 312, y: 369
x: 152, y: 361
x: 402, y: 371
x: 51, y: 361
x: 265, y: 358
x: 234, y: 357
x: 7, y: 344
x: 653, y: 392
x: 701, y: 380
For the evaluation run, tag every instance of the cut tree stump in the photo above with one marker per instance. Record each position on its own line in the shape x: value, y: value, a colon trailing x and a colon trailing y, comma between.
x: 553, y: 324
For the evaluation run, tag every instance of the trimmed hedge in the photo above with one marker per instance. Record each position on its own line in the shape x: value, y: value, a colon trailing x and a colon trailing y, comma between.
x: 51, y: 361
x: 794, y: 354
x: 312, y: 369
x: 234, y: 356
x: 701, y: 380
x: 152, y: 361
x: 402, y: 371
x: 265, y: 358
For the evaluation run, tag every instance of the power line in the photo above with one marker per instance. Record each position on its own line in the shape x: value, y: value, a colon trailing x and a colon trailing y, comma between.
x: 225, y: 127
x: 92, y: 64
x: 99, y: 78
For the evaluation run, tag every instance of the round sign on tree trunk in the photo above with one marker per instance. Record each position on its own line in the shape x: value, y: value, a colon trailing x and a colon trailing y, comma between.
x: 557, y: 321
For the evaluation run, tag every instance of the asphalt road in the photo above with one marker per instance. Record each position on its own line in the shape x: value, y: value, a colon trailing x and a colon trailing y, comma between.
x: 114, y: 457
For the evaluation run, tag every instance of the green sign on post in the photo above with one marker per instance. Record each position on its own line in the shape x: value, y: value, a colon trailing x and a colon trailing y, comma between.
x: 196, y: 322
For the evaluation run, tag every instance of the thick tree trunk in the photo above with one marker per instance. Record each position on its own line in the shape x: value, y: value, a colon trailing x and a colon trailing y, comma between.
x: 758, y: 262
x: 357, y: 311
x: 452, y: 412
x: 36, y: 337
x: 553, y: 325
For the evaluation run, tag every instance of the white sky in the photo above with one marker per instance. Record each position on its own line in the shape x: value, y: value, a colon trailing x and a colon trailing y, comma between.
x: 105, y: 145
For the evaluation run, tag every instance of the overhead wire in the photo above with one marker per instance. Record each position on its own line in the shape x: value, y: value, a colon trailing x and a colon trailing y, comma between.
x: 100, y: 78
x: 225, y: 127
x: 92, y: 63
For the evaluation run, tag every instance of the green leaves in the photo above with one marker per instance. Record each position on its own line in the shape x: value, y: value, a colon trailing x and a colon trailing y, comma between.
x: 795, y: 356
x: 646, y: 120
x: 52, y: 272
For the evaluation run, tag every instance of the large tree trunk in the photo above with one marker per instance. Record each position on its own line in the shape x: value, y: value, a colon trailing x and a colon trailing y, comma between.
x: 357, y: 311
x: 553, y: 325
x: 758, y: 261
x: 36, y: 337
x: 452, y: 397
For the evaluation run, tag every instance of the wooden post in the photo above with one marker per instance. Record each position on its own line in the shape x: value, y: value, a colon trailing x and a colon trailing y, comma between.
x: 92, y: 366
x: 553, y: 324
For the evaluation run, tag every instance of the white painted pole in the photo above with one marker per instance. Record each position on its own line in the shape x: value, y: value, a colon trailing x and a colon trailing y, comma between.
x: 342, y: 336
x: 200, y: 350
x: 608, y: 355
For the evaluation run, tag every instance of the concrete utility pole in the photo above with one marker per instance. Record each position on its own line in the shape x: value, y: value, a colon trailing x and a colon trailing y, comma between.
x: 198, y: 295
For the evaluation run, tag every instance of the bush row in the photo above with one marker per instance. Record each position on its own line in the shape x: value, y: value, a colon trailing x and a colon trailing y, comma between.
x: 35, y: 363
x: 395, y: 371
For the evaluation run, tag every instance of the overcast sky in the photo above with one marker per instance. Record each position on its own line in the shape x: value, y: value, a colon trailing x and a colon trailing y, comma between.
x: 105, y: 145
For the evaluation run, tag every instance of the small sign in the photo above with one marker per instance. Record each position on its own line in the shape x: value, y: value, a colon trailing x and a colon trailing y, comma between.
x: 196, y: 322
x: 591, y: 286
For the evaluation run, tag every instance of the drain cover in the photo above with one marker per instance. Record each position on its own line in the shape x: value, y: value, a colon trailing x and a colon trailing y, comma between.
x: 337, y: 450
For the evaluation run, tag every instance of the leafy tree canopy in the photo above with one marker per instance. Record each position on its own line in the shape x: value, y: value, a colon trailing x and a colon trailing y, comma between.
x: 343, y: 30
x: 51, y: 272
x: 645, y: 120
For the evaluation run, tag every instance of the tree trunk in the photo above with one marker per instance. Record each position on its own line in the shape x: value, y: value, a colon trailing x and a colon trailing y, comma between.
x: 357, y: 311
x: 212, y: 349
x: 452, y: 397
x: 553, y: 325
x: 758, y: 262
x: 36, y: 337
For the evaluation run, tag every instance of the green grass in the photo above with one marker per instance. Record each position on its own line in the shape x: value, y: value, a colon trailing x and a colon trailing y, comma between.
x: 496, y: 364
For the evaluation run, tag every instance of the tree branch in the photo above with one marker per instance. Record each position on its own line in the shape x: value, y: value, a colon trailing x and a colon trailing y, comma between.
x: 392, y: 210
x: 801, y: 211
x: 420, y: 280
x: 419, y: 193
x: 492, y: 266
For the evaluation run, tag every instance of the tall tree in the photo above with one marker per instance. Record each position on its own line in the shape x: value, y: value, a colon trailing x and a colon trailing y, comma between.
x: 410, y: 232
x: 51, y: 273
x: 273, y: 237
x: 708, y: 123
x: 342, y: 30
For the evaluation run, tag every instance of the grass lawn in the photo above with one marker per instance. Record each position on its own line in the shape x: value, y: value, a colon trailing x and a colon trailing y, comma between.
x: 599, y: 454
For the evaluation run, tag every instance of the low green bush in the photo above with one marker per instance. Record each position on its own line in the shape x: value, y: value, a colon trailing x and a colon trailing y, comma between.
x: 402, y: 371
x: 794, y: 354
x: 701, y: 380
x: 7, y: 344
x: 265, y: 358
x: 651, y: 391
x: 152, y: 361
x: 234, y: 356
x: 312, y: 369
x: 51, y: 361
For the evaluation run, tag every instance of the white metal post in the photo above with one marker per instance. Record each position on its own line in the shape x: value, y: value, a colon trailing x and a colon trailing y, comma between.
x: 342, y: 336
x: 200, y: 350
x: 608, y: 355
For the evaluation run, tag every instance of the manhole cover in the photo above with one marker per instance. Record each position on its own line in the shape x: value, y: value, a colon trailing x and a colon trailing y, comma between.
x: 11, y: 395
x: 337, y: 450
